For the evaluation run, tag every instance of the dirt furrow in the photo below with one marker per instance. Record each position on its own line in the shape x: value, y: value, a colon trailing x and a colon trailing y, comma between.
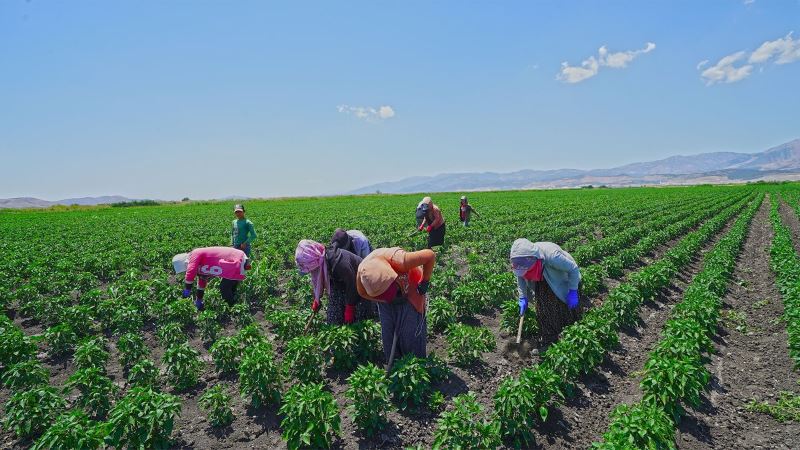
x: 585, y: 417
x: 752, y: 359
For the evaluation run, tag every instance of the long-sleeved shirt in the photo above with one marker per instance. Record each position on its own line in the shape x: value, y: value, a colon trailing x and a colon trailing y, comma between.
x: 434, y: 217
x: 342, y: 269
x: 560, y: 271
x: 221, y: 262
x: 465, y: 211
x: 242, y: 232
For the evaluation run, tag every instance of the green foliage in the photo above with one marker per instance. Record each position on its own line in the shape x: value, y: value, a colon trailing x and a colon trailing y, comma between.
x: 437, y: 368
x: 464, y: 428
x: 171, y: 334
x: 466, y: 343
x: 638, y: 426
x: 61, y: 339
x: 250, y: 336
x: 70, y: 431
x: 340, y: 345
x: 91, y: 352
x: 409, y: 382
x: 28, y: 413
x: 226, y: 353
x: 143, y: 374
x: 509, y: 319
x: 125, y: 319
x: 786, y: 409
x: 217, y: 404
x: 369, y: 391
x: 182, y: 366
x: 441, y: 313
x: 436, y: 401
x: 288, y: 324
x: 132, y: 349
x: 259, y: 375
x: 143, y: 418
x: 180, y: 311
x: 311, y: 417
x: 208, y: 325
x: 303, y: 360
x: 15, y: 347
x: 95, y: 388
x: 240, y: 313
x: 519, y: 402
x: 25, y: 375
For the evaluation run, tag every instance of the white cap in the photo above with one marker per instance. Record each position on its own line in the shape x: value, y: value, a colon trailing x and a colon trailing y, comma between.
x: 180, y: 262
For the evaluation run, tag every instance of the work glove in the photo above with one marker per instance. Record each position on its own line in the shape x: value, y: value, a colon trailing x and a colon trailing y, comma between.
x: 523, y: 305
x: 349, y: 314
x: 187, y: 292
x: 423, y: 286
x: 572, y: 299
x: 430, y: 227
x: 421, y: 227
x: 315, y: 305
x: 199, y: 305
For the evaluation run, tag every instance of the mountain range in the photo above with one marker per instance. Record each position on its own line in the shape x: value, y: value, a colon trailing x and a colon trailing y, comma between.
x: 775, y: 164
x: 31, y: 202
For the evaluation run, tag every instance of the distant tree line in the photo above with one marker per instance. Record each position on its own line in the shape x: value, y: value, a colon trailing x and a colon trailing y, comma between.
x: 135, y: 203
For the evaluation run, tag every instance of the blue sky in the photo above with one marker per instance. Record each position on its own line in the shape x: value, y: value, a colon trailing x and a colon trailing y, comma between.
x: 165, y: 99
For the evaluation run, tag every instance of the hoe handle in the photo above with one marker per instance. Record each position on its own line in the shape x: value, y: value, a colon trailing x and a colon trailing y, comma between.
x: 519, y: 328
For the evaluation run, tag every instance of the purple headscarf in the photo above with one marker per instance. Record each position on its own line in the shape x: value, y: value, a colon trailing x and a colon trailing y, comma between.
x: 310, y: 258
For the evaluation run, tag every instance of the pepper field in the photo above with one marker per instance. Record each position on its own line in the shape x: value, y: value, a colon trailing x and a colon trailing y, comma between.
x: 693, y: 340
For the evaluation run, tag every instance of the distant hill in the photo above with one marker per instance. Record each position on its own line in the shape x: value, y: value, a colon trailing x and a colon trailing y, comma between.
x: 775, y: 164
x: 30, y: 202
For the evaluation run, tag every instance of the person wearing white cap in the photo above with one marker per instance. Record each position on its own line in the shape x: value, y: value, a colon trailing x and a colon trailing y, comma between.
x: 227, y: 263
x: 243, y: 232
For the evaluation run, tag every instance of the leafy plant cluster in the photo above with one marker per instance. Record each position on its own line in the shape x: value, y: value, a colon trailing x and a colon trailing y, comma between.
x: 674, y: 373
x: 785, y: 263
x: 466, y: 343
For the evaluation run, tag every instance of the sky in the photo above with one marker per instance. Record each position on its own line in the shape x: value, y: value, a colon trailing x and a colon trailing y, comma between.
x: 207, y: 99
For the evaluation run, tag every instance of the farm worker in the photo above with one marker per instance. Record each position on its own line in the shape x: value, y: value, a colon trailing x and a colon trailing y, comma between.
x: 333, y: 270
x: 243, y: 233
x: 399, y: 282
x: 432, y: 222
x: 353, y: 241
x: 465, y: 211
x: 227, y: 263
x: 549, y: 274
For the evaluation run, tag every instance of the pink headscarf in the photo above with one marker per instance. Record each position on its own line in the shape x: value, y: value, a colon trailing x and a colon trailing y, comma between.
x: 310, y: 258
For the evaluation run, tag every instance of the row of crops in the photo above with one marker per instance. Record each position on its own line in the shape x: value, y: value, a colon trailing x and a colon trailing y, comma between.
x: 97, y: 347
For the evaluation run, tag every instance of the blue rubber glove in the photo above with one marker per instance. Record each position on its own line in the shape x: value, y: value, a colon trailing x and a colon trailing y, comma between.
x: 523, y: 305
x: 572, y: 299
x: 199, y: 305
x: 186, y: 293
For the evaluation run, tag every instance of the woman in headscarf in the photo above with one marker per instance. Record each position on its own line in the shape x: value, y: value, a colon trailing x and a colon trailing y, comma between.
x: 548, y: 274
x: 432, y: 222
x: 399, y: 281
x: 333, y: 271
x: 353, y: 241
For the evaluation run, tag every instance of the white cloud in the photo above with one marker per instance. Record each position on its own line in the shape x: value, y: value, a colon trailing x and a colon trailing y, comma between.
x: 740, y: 65
x: 748, y: 2
x: 725, y: 71
x: 591, y: 66
x: 368, y: 113
x: 702, y: 64
x: 786, y: 50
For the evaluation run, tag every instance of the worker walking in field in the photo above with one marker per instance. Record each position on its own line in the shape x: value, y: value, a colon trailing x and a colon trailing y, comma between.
x: 229, y: 264
x: 465, y: 210
x: 549, y: 275
x: 243, y: 233
x: 432, y: 222
x: 353, y: 241
x: 399, y: 282
x: 333, y: 270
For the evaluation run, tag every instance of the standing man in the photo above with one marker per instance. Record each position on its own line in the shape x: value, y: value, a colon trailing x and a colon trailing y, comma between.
x: 243, y: 233
x: 465, y: 211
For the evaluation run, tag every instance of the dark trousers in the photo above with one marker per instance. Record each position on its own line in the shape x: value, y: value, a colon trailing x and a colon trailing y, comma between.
x: 228, y: 290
